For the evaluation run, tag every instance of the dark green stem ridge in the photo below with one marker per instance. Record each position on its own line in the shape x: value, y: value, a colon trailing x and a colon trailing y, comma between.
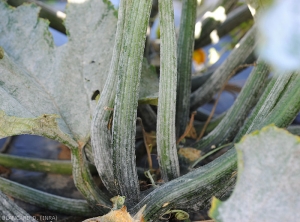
x: 125, y: 108
x: 48, y: 201
x: 282, y: 107
x: 266, y: 103
x: 282, y: 83
x: 236, y: 115
x: 84, y: 182
x: 192, y: 191
x: 238, y: 55
x: 10, y: 211
x: 166, y: 141
x: 288, y: 106
x: 185, y: 48
x: 256, y: 109
x: 101, y: 137
x: 195, y: 189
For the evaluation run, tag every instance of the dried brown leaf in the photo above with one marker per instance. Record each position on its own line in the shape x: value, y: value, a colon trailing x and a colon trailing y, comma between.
x: 189, y: 153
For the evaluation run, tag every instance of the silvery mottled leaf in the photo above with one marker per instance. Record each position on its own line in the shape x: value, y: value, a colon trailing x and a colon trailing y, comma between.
x: 267, y: 187
x: 39, y: 78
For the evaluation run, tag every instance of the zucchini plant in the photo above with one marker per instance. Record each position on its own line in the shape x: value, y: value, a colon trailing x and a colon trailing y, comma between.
x: 49, y: 91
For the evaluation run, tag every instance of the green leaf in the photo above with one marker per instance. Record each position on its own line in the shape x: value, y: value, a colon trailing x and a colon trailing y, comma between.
x: 268, y: 177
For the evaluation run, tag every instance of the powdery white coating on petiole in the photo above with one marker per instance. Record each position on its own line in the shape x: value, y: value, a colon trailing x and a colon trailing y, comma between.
x: 166, y: 141
x: 124, y: 119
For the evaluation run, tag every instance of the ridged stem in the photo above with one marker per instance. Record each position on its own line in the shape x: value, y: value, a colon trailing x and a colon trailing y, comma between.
x: 48, y: 201
x: 287, y: 107
x: 166, y: 141
x: 125, y: 109
x: 185, y: 48
x: 266, y: 103
x: 85, y: 183
x: 238, y: 55
x: 101, y: 137
x: 236, y: 115
x: 195, y: 189
x: 256, y: 109
x: 11, y: 212
x: 280, y: 85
